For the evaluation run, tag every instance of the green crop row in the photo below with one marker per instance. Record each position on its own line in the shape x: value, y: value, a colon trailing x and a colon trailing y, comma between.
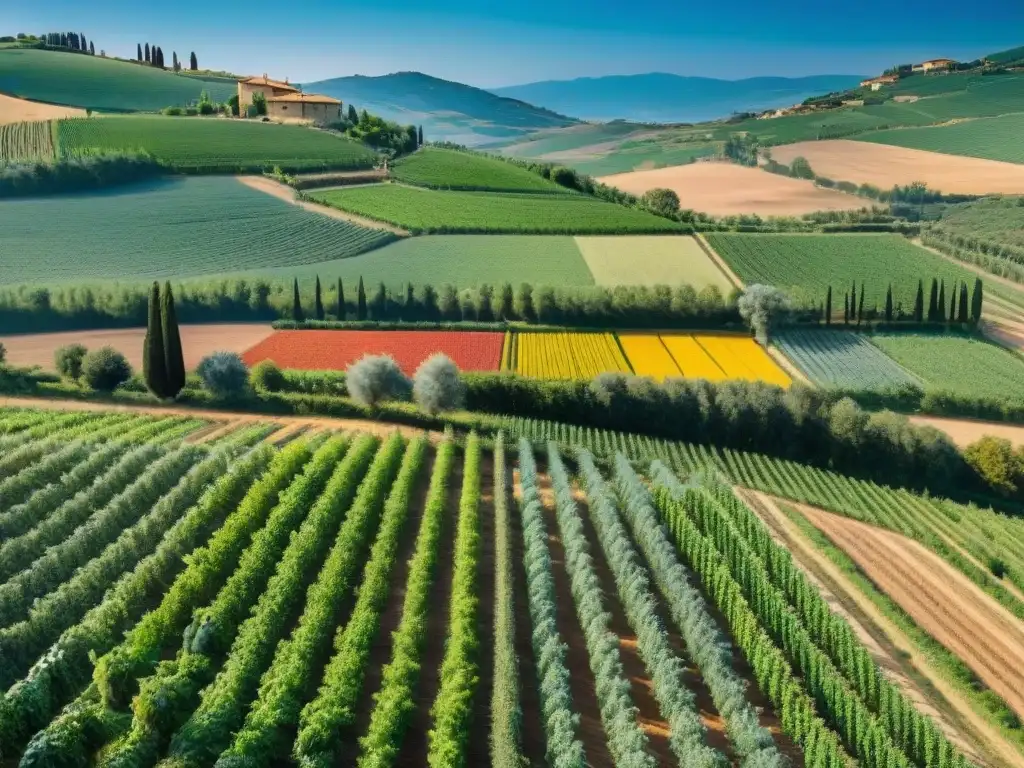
x: 449, y: 169
x: 426, y: 211
x: 393, y: 703
x: 842, y: 359
x: 326, y: 722
x: 996, y: 138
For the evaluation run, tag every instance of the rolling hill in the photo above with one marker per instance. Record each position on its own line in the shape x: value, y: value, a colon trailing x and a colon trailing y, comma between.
x: 663, y: 98
x: 93, y: 82
x: 447, y: 111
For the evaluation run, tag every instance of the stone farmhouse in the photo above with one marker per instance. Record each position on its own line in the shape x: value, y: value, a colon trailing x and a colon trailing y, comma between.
x: 286, y: 103
x: 933, y: 65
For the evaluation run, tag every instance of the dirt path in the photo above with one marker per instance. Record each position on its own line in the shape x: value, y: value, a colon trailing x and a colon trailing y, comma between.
x: 719, y: 261
x: 479, y: 752
x: 198, y: 341
x: 640, y: 683
x: 581, y: 679
x: 383, y: 645
x: 382, y: 429
x: 783, y: 362
x: 895, y: 654
x: 948, y: 606
x: 414, y: 749
x: 286, y: 193
x: 534, y: 738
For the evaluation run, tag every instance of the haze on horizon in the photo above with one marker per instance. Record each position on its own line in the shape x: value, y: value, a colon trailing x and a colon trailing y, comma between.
x: 309, y: 40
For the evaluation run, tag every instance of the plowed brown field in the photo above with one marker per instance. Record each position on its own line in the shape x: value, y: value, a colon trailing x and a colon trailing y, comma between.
x: 20, y: 111
x: 943, y: 601
x: 724, y: 189
x: 882, y: 165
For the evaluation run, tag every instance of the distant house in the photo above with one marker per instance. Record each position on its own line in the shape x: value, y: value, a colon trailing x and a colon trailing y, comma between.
x: 875, y: 83
x: 250, y: 86
x: 304, y: 107
x: 934, y: 65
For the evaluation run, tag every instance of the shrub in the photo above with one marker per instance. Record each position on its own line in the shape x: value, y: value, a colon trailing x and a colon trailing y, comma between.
x: 801, y: 169
x: 3, y: 354
x: 105, y: 369
x: 224, y: 375
x: 997, y: 567
x: 68, y: 360
x: 661, y: 202
x: 437, y: 385
x: 267, y: 377
x: 173, y: 111
x: 374, y: 379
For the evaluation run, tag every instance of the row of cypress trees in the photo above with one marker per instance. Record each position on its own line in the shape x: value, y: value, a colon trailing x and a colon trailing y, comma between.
x: 299, y: 315
x: 961, y: 308
x: 163, y: 362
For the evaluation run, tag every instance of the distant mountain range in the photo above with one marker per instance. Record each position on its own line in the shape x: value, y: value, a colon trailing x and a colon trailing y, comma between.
x: 664, y: 98
x: 447, y: 111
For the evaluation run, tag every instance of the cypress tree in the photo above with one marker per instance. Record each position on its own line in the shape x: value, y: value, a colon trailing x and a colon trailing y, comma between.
x: 297, y: 315
x: 888, y: 304
x: 341, y: 300
x: 964, y: 315
x: 940, y: 308
x: 147, y: 53
x: 952, y: 305
x: 319, y: 306
x: 361, y: 301
x: 173, y: 355
x: 853, y: 301
x: 154, y: 362
x: 846, y: 309
x: 933, y: 301
x: 193, y: 63
x: 419, y: 139
x: 828, y: 306
x: 92, y: 49
x: 976, y: 301
x: 379, y: 303
x: 860, y: 306
x: 138, y: 54
x: 919, y: 303
x: 409, y: 306
x: 353, y: 116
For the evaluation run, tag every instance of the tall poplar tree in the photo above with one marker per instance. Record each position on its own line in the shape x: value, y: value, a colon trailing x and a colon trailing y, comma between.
x: 319, y: 305
x: 933, y: 302
x: 977, y: 299
x: 940, y: 308
x: 173, y: 355
x: 828, y: 306
x: 963, y: 315
x: 148, y: 59
x: 341, y: 301
x: 919, y: 303
x: 193, y: 63
x: 888, y: 304
x: 138, y: 54
x: 361, y: 301
x: 154, y: 362
x: 846, y: 309
x: 297, y: 315
x: 860, y: 305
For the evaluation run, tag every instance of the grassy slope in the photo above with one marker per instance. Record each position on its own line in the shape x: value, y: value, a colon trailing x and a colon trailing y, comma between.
x: 193, y: 143
x: 97, y: 83
x: 994, y: 219
x: 996, y: 138
x: 450, y: 169
x: 422, y: 210
x: 461, y: 260
x: 180, y: 228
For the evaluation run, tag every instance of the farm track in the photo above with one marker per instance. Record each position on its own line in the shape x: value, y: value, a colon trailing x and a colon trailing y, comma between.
x: 940, y: 599
x: 581, y: 679
x: 286, y: 193
x: 416, y: 744
x: 895, y: 654
x: 719, y: 261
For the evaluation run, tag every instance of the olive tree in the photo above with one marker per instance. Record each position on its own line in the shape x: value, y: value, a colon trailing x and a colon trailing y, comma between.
x: 760, y: 305
x: 661, y: 202
x: 224, y: 375
x: 373, y: 379
x: 437, y: 385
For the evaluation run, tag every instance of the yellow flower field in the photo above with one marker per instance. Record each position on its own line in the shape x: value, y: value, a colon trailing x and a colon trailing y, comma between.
x: 648, y: 356
x: 701, y: 356
x: 567, y: 355
x: 743, y: 358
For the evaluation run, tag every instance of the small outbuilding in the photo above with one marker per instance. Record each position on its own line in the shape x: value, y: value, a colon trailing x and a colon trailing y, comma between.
x: 304, y: 107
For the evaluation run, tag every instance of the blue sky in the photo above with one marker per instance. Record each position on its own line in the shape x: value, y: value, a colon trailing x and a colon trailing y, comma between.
x: 490, y: 44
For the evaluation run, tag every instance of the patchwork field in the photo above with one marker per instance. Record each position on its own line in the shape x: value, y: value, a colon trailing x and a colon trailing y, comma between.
x: 171, y: 228
x: 428, y: 211
x: 724, y: 189
x: 450, y: 169
x: 957, y: 364
x: 806, y: 265
x: 884, y: 166
x: 565, y: 355
x: 841, y: 359
x: 14, y: 110
x: 464, y: 261
x: 700, y: 356
x: 336, y: 350
x: 215, y: 144
x: 197, y: 341
x: 995, y: 138
x: 101, y: 84
x: 651, y: 260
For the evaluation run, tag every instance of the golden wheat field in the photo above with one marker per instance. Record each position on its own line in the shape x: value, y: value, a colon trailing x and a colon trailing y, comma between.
x: 565, y: 355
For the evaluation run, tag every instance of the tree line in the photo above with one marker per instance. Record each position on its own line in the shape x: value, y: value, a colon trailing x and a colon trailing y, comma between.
x: 154, y: 56
x: 963, y: 306
x: 379, y: 133
x: 72, y: 41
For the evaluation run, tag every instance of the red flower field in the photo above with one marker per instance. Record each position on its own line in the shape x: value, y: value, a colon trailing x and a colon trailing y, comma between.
x: 335, y: 350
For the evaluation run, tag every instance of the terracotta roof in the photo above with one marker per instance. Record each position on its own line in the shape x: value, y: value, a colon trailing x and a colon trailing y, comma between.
x: 940, y: 61
x: 275, y: 84
x: 308, y: 98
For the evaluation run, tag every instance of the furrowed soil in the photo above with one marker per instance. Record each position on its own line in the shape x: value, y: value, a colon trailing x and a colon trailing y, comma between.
x: 939, y: 598
x: 724, y: 189
x: 863, y: 162
x: 895, y: 654
x: 197, y: 341
x: 416, y: 745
